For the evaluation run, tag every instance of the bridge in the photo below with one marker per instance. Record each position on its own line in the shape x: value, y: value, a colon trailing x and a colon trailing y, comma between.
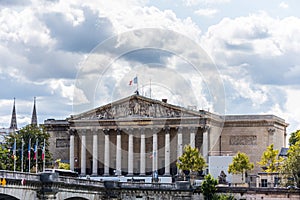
x: 18, y: 185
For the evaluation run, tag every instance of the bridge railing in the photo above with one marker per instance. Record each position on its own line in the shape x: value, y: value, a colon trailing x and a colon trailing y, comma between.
x: 78, y: 181
x: 168, y: 186
x: 19, y: 175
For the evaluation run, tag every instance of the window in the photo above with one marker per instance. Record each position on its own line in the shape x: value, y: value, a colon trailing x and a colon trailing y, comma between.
x: 264, y: 183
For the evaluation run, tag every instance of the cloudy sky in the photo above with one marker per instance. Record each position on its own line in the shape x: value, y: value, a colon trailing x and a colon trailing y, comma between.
x: 79, y: 54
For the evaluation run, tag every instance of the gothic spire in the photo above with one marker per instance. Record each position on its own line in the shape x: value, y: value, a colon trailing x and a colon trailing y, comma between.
x: 34, y: 117
x: 13, y: 123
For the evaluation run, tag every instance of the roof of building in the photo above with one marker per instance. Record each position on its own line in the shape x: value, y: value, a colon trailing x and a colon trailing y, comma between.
x: 283, y: 152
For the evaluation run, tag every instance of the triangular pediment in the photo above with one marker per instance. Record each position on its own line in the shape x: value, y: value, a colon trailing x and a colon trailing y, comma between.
x: 136, y: 106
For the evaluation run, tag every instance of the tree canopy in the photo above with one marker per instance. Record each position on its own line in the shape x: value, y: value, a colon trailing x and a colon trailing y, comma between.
x: 240, y: 164
x: 292, y: 162
x: 6, y: 159
x: 35, y: 135
x: 208, y: 187
x: 269, y: 160
x: 295, y: 137
x: 62, y: 165
x: 191, y: 160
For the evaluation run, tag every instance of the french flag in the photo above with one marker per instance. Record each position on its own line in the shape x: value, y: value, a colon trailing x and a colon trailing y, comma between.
x: 134, y: 81
x: 35, y: 150
x: 29, y: 147
x: 43, y: 152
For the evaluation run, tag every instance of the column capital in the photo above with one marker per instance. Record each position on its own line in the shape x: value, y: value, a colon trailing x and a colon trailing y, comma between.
x: 179, y: 129
x: 167, y: 129
x: 83, y: 131
x: 106, y: 131
x: 129, y: 129
x: 72, y: 131
x: 206, y: 128
x: 154, y: 128
x: 94, y: 131
x: 119, y: 131
x: 192, y: 128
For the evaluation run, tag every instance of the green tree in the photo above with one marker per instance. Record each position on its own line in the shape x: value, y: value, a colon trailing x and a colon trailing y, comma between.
x: 240, y: 164
x: 270, y: 162
x: 208, y: 187
x: 62, y: 165
x: 6, y: 159
x: 30, y: 133
x: 292, y: 162
x: 191, y: 160
x: 295, y: 137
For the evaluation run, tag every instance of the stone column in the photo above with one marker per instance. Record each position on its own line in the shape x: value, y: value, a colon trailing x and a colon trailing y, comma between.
x: 130, y: 154
x: 83, y: 153
x: 154, y: 158
x: 179, y: 145
x: 142, y: 152
x: 205, y: 144
x: 118, y: 153
x: 95, y: 153
x: 192, y: 137
x: 106, y: 152
x: 72, y: 144
x: 167, y: 152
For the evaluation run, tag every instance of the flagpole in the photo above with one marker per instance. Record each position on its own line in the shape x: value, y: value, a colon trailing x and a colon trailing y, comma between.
x: 137, y: 84
x: 29, y: 155
x: 14, y: 154
x: 36, y: 156
x: 150, y: 88
x: 22, y: 152
x: 43, y: 155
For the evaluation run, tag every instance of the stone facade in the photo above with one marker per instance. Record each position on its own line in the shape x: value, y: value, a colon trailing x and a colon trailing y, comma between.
x: 251, y: 134
x: 137, y: 135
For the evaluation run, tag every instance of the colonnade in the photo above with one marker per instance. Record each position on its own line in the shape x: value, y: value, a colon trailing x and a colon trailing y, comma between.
x: 130, y: 157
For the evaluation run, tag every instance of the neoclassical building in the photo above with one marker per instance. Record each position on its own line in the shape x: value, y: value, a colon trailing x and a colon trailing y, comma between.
x: 138, y: 136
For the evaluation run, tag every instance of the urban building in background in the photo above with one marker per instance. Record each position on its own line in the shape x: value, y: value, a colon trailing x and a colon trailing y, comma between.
x: 139, y: 136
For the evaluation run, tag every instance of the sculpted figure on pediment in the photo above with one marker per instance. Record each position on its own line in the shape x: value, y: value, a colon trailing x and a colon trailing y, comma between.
x: 151, y: 110
x: 134, y: 107
x: 143, y: 109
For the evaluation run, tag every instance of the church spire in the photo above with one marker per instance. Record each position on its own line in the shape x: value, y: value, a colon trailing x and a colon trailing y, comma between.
x: 34, y: 117
x: 13, y: 123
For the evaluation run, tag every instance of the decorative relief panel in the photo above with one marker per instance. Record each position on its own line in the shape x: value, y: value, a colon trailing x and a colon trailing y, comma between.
x: 243, y: 140
x: 62, y: 143
x: 133, y: 108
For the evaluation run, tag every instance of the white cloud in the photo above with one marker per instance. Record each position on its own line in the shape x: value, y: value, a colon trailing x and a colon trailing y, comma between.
x: 293, y: 72
x: 40, y: 47
x: 283, y: 5
x: 245, y: 88
x: 292, y: 108
x: 205, y: 2
x: 207, y: 12
x: 259, y: 40
x: 64, y: 88
x: 23, y: 27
